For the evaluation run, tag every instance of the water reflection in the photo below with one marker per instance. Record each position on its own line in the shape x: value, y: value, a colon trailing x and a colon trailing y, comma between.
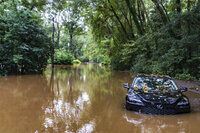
x: 84, y: 98
x: 21, y: 98
x: 148, y: 123
x: 66, y: 112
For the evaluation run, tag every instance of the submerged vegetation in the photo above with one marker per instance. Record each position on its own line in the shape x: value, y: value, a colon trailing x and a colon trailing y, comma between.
x: 144, y: 36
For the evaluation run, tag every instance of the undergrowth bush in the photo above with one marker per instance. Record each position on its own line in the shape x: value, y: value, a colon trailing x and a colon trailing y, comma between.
x: 63, y: 57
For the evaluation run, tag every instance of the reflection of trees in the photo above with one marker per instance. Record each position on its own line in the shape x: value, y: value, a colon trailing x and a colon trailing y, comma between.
x: 85, y: 92
x: 64, y: 112
x: 106, y: 101
x: 21, y: 100
x: 149, y: 123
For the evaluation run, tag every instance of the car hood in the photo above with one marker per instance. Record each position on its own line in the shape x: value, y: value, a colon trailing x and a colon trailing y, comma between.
x: 166, y: 98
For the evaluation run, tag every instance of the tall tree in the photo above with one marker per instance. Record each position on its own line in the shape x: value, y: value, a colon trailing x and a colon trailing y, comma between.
x: 161, y: 11
x: 53, y: 42
x: 24, y: 45
x: 53, y: 9
x: 178, y: 3
x: 132, y: 10
x: 117, y: 17
x: 71, y: 20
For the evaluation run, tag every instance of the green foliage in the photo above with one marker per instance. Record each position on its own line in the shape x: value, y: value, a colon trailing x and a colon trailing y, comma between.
x: 63, y: 57
x: 84, y: 59
x: 166, y: 41
x: 103, y: 53
x: 184, y: 76
x: 34, y: 4
x: 24, y: 45
x: 162, y: 52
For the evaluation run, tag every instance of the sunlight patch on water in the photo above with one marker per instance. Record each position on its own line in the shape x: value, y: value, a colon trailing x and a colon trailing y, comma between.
x: 85, y: 97
x: 58, y: 106
x: 47, y: 111
x: 163, y: 126
x: 48, y: 122
x: 87, y: 128
x: 84, y: 77
x: 82, y: 99
x: 135, y: 122
x: 61, y: 111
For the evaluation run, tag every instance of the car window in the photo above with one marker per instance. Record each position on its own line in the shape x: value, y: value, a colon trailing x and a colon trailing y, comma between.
x: 154, y: 83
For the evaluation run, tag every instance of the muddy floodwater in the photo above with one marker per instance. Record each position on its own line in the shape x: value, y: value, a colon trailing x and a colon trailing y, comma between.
x: 81, y: 99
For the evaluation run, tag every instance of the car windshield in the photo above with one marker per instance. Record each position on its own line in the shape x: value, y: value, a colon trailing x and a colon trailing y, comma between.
x: 154, y: 84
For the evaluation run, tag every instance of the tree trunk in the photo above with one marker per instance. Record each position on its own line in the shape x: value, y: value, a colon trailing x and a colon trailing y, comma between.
x: 129, y: 24
x: 135, y: 18
x: 140, y: 15
x: 188, y: 22
x: 178, y: 9
x: 164, y: 9
x: 178, y: 3
x: 58, y: 35
x: 162, y: 13
x: 70, y: 41
x: 118, y: 19
x: 75, y: 54
x: 188, y: 5
x: 52, y: 49
x: 145, y: 11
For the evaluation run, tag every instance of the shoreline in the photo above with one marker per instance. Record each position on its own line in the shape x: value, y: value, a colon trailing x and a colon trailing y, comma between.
x: 192, y: 86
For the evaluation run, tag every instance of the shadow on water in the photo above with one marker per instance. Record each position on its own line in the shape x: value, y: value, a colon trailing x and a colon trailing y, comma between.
x: 84, y: 98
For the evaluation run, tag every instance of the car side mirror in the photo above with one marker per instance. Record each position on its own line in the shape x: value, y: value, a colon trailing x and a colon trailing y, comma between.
x: 126, y: 85
x: 184, y: 89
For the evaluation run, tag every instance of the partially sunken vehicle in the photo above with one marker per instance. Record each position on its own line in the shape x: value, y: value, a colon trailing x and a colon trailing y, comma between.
x: 156, y: 95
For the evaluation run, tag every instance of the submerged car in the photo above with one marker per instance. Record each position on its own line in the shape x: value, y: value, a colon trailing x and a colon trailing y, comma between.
x: 156, y: 95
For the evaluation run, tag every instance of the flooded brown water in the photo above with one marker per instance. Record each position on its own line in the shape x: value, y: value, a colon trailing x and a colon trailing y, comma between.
x: 81, y: 99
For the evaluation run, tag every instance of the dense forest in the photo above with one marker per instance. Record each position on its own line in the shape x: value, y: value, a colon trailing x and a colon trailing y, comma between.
x: 144, y: 36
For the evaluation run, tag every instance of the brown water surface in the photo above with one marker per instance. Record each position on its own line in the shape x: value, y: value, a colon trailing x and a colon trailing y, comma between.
x: 81, y: 99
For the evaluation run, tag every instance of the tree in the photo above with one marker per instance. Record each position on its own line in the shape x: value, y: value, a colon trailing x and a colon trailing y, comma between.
x: 71, y: 21
x: 24, y: 43
x: 134, y: 14
x: 158, y: 42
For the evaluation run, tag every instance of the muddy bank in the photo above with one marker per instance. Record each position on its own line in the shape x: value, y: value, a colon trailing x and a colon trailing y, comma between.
x: 193, y: 93
x: 191, y: 85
